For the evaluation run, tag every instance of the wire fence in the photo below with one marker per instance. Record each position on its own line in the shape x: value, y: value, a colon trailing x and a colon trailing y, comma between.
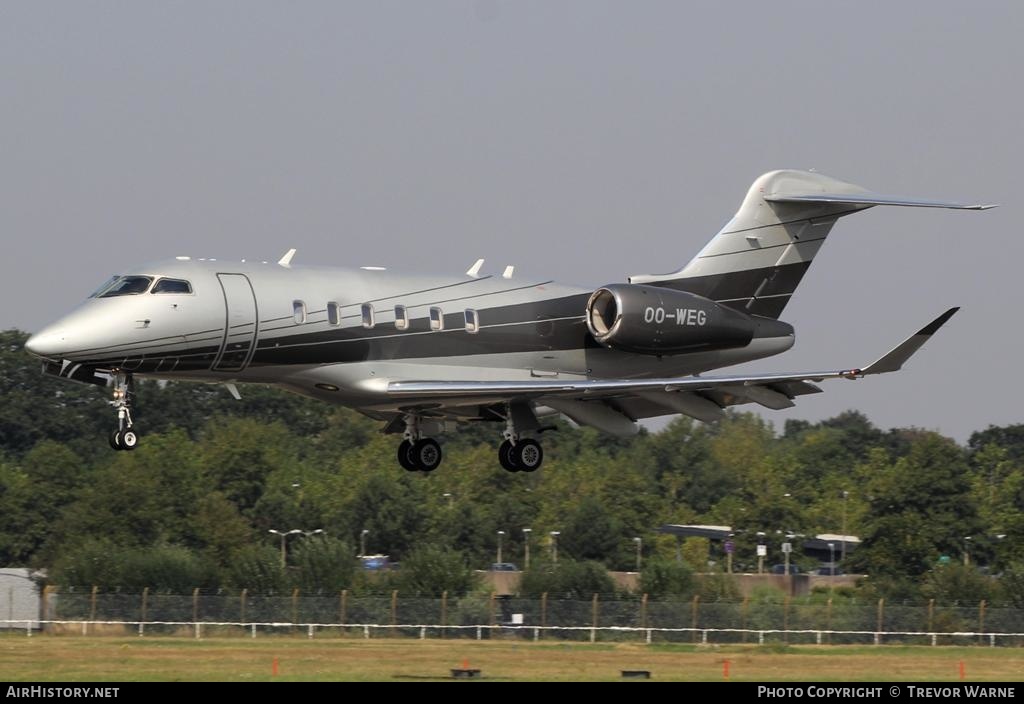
x: 792, y: 620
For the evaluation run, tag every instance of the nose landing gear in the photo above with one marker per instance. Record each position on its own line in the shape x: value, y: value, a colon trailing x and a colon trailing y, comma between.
x: 125, y: 437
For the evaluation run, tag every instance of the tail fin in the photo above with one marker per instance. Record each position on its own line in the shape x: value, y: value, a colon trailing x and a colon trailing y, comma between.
x: 757, y: 260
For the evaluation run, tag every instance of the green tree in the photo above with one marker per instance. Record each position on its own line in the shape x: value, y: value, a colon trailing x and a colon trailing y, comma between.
x: 566, y: 579
x: 430, y: 570
x: 661, y: 578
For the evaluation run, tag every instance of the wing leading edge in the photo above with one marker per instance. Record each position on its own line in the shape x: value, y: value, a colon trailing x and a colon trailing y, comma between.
x: 701, y: 397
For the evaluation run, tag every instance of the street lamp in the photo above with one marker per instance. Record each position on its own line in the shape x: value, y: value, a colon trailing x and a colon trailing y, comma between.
x: 554, y: 545
x: 967, y: 550
x: 832, y: 559
x: 526, y: 545
x: 501, y: 534
x: 284, y: 537
x: 639, y: 544
x: 310, y: 533
x: 842, y: 554
x: 362, y: 541
x: 762, y: 551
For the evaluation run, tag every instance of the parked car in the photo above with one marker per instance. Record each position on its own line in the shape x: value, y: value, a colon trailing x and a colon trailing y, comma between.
x: 830, y: 569
x: 376, y: 562
x: 781, y: 569
x: 503, y: 567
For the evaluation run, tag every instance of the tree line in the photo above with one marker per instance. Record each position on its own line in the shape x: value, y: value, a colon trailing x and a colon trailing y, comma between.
x: 196, y: 501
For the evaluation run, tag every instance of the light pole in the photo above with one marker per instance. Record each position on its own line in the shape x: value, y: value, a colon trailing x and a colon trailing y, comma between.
x: 501, y: 534
x: 762, y: 551
x: 832, y: 568
x: 311, y: 533
x: 967, y: 550
x: 554, y: 545
x: 448, y: 495
x: 639, y: 544
x: 526, y: 546
x: 284, y: 538
x: 842, y: 551
x: 362, y: 541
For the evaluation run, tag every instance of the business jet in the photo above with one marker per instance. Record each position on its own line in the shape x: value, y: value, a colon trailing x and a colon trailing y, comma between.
x: 425, y: 354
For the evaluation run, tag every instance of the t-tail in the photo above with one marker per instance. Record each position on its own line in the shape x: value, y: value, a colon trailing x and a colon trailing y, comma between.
x: 758, y: 259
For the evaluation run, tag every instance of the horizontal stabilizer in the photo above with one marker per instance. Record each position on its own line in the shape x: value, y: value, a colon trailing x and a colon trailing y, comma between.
x: 869, y: 199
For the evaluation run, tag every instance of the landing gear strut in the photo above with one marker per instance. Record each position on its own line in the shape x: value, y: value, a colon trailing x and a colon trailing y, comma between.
x: 415, y: 453
x: 125, y: 437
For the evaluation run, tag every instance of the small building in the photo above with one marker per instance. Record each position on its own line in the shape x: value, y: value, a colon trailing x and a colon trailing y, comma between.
x: 20, y: 602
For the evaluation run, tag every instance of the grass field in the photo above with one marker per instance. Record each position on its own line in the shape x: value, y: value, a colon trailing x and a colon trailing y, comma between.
x: 70, y: 658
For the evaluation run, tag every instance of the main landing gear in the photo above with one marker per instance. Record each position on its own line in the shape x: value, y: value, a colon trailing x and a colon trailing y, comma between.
x: 415, y: 453
x: 125, y: 437
x: 516, y: 454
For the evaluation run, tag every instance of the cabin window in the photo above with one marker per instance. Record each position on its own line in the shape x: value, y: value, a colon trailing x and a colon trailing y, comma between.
x: 368, y: 318
x: 172, y: 286
x: 472, y: 321
x: 299, y: 312
x: 333, y: 314
x: 436, y: 319
x: 126, y: 286
x: 401, y: 318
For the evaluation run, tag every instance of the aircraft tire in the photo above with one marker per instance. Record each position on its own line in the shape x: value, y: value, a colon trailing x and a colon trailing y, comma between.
x: 528, y: 455
x: 129, y: 439
x: 506, y: 457
x: 115, y: 439
x: 426, y: 452
x: 405, y: 457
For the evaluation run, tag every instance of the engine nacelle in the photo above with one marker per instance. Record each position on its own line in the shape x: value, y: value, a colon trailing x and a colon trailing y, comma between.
x: 662, y: 321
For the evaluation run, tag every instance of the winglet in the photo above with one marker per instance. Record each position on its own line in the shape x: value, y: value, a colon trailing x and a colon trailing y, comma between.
x: 474, y: 270
x: 894, y: 359
x: 286, y: 260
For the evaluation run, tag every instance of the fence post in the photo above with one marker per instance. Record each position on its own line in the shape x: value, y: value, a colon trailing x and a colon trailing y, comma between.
x: 785, y: 618
x: 394, y: 607
x: 195, y: 605
x: 444, y: 611
x: 593, y: 619
x: 343, y: 607
x: 92, y: 603
x: 931, y: 616
x: 145, y: 600
x: 643, y: 611
x: 295, y: 605
x: 981, y: 622
x: 881, y: 615
x: 828, y: 619
x: 245, y: 593
x: 44, y: 611
x: 743, y: 616
x: 544, y: 610
x: 696, y: 614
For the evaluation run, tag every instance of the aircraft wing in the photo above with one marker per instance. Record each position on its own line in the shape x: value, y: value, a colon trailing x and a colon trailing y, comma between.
x: 609, y: 404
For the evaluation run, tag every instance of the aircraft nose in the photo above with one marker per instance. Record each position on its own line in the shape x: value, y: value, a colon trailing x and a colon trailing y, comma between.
x: 46, y: 343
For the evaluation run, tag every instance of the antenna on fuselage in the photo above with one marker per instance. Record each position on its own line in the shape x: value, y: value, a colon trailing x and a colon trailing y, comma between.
x: 474, y: 270
x: 286, y: 260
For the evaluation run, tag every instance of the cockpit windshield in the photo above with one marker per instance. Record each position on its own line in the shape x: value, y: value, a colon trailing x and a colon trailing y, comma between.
x: 124, y: 286
x: 172, y: 286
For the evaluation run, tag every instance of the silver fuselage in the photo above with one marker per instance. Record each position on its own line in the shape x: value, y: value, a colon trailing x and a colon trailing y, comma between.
x: 269, y: 324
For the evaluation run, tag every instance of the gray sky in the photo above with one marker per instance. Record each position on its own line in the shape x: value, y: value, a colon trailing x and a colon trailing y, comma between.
x: 583, y: 141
